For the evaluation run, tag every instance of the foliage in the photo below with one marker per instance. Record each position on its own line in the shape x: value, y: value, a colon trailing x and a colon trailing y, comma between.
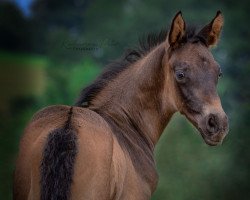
x: 48, y: 57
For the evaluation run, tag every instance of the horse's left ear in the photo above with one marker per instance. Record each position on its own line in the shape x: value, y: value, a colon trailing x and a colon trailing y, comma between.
x: 211, y: 32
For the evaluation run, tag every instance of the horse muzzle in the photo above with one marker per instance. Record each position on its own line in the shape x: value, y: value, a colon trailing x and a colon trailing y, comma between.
x: 214, y: 127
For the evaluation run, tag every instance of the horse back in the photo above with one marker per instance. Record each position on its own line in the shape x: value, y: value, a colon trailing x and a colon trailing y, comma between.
x: 93, y: 149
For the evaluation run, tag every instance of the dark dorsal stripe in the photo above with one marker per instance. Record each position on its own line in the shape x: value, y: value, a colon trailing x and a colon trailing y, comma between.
x: 58, y: 162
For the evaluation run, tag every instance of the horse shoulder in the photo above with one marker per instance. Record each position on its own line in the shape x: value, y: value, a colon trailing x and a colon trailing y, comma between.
x: 92, y: 168
x: 126, y: 182
x: 102, y: 166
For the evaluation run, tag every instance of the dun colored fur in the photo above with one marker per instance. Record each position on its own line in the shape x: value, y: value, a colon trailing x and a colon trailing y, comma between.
x: 102, y: 148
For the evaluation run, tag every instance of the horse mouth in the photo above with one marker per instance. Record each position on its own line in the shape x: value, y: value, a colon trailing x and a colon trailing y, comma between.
x: 211, y: 142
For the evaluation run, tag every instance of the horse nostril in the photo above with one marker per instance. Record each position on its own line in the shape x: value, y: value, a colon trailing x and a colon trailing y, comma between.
x: 212, y: 123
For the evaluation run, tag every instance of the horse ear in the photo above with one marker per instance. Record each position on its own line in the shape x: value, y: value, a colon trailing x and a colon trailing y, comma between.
x: 211, y: 32
x: 177, y: 30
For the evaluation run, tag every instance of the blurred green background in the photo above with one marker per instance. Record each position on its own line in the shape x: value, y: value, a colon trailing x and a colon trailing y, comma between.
x: 50, y: 49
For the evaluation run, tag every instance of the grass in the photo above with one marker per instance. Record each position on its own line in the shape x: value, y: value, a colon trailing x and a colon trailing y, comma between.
x: 20, y: 75
x: 22, y: 59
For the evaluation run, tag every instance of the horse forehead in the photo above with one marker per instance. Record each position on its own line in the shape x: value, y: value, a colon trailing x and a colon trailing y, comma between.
x: 195, y: 52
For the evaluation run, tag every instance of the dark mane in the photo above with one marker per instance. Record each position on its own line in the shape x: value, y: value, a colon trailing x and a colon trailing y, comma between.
x: 146, y: 44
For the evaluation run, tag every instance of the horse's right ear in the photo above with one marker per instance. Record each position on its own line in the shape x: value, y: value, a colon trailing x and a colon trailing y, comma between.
x: 177, y: 30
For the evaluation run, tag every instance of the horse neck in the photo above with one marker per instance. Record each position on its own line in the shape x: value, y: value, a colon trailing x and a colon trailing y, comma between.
x: 136, y: 101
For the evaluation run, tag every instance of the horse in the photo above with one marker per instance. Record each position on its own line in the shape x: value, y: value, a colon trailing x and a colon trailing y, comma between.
x: 102, y: 147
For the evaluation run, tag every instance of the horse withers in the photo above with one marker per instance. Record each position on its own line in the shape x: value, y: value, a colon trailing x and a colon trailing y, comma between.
x: 102, y: 147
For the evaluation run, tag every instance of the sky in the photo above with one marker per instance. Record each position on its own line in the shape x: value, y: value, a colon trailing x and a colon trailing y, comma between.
x: 24, y: 6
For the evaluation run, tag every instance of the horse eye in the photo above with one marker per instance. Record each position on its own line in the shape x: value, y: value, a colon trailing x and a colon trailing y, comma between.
x: 180, y: 75
x: 220, y: 75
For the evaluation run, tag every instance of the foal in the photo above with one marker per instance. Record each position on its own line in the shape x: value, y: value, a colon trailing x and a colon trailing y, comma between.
x: 102, y: 148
